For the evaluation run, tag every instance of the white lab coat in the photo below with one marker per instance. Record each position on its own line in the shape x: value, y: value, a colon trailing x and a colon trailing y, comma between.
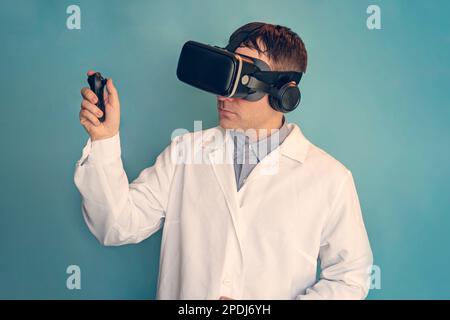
x: 298, y: 205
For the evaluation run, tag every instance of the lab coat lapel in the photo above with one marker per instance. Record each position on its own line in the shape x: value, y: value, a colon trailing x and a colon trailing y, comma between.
x: 269, y: 165
x: 295, y: 146
x: 221, y: 159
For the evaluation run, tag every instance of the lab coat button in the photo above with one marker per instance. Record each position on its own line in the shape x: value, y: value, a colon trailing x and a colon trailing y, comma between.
x: 227, y: 282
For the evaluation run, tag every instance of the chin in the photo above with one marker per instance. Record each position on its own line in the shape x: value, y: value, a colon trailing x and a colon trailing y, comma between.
x: 227, y: 124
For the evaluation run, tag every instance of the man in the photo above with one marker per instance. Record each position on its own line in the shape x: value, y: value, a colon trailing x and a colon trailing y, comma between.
x: 231, y: 229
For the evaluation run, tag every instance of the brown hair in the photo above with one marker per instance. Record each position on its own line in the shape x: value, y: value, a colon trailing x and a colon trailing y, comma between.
x: 284, y: 48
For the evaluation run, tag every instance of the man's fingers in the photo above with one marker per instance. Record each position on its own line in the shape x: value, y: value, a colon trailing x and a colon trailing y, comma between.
x: 89, y: 116
x: 85, y: 104
x: 90, y: 72
x: 88, y: 94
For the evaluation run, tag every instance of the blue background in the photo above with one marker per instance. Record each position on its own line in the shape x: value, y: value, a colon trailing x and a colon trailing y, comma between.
x: 377, y: 100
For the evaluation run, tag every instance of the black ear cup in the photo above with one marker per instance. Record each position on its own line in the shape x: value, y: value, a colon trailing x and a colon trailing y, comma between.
x: 286, y: 98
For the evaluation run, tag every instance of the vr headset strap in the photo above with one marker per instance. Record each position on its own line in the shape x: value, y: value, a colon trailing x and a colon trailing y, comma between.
x: 277, y: 77
x: 241, y: 37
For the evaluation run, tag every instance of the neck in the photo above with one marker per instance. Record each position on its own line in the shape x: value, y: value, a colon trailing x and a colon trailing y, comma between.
x: 266, y: 129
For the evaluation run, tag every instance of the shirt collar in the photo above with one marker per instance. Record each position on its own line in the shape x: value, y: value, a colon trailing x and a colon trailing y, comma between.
x: 295, y: 146
x: 261, y: 147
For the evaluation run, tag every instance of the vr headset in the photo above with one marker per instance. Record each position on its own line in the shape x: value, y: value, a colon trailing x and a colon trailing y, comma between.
x: 223, y: 72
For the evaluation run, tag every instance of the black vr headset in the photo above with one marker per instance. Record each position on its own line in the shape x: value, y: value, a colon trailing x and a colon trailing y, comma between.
x: 222, y: 72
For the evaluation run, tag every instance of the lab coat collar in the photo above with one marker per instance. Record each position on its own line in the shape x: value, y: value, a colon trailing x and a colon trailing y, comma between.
x: 295, y: 146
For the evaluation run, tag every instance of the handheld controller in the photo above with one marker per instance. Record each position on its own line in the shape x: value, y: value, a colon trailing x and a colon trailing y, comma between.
x: 97, y: 84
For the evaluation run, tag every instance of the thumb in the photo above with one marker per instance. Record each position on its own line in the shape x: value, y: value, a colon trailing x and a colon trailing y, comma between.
x: 113, y: 96
x: 112, y: 106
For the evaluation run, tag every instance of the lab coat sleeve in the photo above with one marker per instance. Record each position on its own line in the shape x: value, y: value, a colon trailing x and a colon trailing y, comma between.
x: 345, y: 254
x: 115, y: 211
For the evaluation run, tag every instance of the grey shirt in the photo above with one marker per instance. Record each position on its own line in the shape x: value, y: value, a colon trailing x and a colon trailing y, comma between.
x: 248, y: 154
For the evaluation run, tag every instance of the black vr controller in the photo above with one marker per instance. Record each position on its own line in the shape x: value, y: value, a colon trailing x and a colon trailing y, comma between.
x: 97, y: 84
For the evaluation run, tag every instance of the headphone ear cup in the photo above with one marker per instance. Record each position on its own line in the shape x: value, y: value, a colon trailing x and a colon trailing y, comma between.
x: 273, y: 101
x: 290, y: 98
x: 285, y: 99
